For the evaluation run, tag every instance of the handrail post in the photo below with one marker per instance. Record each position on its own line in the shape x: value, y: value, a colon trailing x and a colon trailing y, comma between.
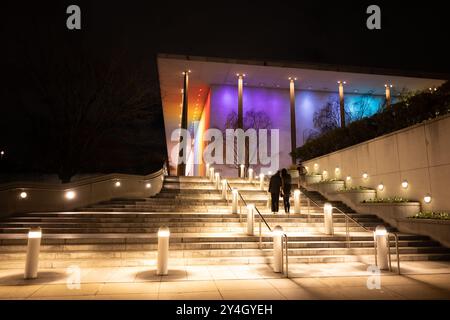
x: 287, y: 255
x: 389, y: 251
x: 398, y: 253
x: 375, y: 249
x: 347, y: 231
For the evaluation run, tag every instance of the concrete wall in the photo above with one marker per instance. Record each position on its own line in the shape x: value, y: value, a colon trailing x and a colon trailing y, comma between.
x: 419, y: 154
x: 45, y: 197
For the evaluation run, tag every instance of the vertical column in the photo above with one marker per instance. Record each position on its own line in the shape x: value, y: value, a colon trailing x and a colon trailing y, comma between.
x: 341, y: 102
x: 388, y: 95
x: 293, y: 127
x: 240, y: 119
x: 181, y: 170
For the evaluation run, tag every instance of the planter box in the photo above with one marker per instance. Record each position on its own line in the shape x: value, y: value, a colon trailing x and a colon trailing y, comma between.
x: 352, y: 198
x: 390, y: 212
x: 313, y: 179
x: 438, y: 230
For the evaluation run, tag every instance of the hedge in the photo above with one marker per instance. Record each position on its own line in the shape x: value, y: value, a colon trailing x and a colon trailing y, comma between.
x: 416, y: 109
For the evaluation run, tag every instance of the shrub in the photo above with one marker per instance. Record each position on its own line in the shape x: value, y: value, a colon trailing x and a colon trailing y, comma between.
x: 413, y: 110
x: 432, y: 215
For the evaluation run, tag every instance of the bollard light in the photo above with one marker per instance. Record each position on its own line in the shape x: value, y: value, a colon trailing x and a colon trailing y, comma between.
x: 163, y: 251
x: 234, y: 200
x: 297, y: 201
x: 211, y: 174
x: 217, y: 180
x: 325, y: 174
x: 250, y: 175
x: 328, y: 218
x: 224, y: 189
x: 207, y: 170
x: 23, y: 195
x: 70, y: 195
x: 250, y: 219
x: 277, y: 234
x: 242, y: 171
x: 33, y: 248
x: 382, y: 247
x: 261, y: 181
x: 337, y: 172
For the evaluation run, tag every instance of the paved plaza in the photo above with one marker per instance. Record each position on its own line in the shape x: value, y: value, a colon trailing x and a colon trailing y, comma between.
x: 332, y: 281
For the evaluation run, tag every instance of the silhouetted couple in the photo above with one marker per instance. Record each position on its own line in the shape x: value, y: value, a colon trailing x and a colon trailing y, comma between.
x: 280, y: 183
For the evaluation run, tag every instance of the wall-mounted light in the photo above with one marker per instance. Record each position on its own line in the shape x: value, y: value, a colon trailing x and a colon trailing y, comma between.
x: 381, y: 187
x: 306, y: 168
x: 365, y: 175
x: 23, y: 195
x: 348, y: 178
x: 405, y: 184
x: 70, y: 195
x: 117, y: 184
x: 148, y: 185
x: 427, y: 198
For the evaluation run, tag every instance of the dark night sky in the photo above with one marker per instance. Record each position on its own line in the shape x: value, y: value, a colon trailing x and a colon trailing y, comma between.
x: 414, y: 37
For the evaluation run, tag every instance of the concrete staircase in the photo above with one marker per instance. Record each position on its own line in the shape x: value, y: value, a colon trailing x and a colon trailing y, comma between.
x: 122, y: 232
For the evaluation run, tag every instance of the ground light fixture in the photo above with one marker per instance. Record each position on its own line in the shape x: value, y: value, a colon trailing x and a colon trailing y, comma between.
x: 234, y: 200
x: 405, y: 184
x: 261, y: 181
x: 33, y: 248
x: 162, y: 268
x: 278, y: 234
x: 250, y: 219
x: 70, y: 195
x: 427, y: 198
x: 23, y: 195
x: 328, y: 219
x: 381, y: 239
x: 297, y: 201
x: 242, y: 172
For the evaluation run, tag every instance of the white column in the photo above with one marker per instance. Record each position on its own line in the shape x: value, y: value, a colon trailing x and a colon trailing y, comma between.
x: 250, y: 175
x: 234, y: 201
x: 278, y: 249
x: 261, y: 181
x: 297, y: 201
x: 33, y: 248
x: 328, y: 218
x: 250, y: 219
x: 163, y: 251
x: 382, y: 247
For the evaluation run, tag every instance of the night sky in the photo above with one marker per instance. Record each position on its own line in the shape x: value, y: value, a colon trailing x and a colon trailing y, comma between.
x: 413, y: 37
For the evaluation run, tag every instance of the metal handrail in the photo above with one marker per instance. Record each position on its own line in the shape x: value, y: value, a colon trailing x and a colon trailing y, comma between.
x: 396, y: 249
x: 285, y: 256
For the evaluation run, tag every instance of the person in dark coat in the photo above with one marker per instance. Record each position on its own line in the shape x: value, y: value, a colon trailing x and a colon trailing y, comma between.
x: 286, y: 184
x: 274, y: 189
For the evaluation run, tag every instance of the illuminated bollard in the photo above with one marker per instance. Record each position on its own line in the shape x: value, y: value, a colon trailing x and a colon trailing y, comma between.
x: 242, y: 172
x: 224, y: 189
x: 250, y: 175
x: 269, y: 200
x: 261, y: 181
x: 163, y: 251
x: 382, y: 247
x: 217, y: 180
x: 328, y: 218
x: 234, y: 201
x: 250, y: 219
x: 211, y: 174
x: 207, y: 170
x: 278, y: 249
x: 33, y: 248
x: 297, y: 201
